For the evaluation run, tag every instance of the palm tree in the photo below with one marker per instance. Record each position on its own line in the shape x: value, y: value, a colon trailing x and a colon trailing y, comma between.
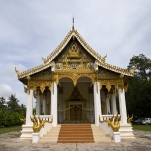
x: 13, y: 103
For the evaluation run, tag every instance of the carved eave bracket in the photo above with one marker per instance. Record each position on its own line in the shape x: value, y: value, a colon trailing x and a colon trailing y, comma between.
x: 42, y: 84
x: 117, y: 83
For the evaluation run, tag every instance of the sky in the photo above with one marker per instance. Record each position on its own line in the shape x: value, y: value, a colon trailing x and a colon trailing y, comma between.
x: 33, y: 29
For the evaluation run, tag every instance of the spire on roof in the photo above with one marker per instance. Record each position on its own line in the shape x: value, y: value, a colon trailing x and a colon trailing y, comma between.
x: 73, y: 23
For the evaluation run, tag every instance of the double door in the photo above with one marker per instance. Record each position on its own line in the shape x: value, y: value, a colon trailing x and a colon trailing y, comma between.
x: 76, y: 114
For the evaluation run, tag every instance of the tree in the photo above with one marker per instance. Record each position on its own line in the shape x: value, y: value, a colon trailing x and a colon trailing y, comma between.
x: 138, y: 97
x: 2, y: 102
x: 13, y: 103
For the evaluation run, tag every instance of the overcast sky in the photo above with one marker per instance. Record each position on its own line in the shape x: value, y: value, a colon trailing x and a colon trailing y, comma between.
x: 30, y: 29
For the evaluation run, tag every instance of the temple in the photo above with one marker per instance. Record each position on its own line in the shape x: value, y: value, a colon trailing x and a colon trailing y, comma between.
x: 75, y: 85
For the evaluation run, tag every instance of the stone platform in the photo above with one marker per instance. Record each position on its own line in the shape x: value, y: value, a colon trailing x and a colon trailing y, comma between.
x: 11, y: 142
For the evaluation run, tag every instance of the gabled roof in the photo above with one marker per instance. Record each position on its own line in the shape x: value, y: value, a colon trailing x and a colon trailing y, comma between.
x: 100, y: 61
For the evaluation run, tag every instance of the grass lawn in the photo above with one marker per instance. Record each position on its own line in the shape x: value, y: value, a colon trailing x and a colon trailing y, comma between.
x: 142, y: 127
x: 9, y: 129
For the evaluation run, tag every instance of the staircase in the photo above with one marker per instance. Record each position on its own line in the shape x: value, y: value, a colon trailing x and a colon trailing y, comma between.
x: 75, y: 133
x: 52, y: 136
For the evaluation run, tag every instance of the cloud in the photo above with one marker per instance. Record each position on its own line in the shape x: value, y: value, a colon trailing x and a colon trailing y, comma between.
x: 31, y: 29
x: 5, y: 90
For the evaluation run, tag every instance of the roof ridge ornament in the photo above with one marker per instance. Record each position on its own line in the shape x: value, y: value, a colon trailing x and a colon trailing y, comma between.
x: 73, y: 23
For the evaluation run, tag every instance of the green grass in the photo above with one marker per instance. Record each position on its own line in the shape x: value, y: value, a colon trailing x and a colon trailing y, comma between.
x: 142, y: 127
x: 9, y: 129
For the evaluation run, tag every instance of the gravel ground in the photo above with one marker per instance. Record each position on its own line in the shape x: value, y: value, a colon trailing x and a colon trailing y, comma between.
x: 11, y: 142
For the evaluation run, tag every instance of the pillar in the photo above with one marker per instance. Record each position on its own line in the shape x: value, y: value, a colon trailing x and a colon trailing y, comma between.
x: 113, y: 103
x: 54, y: 103
x: 97, y: 102
x: 122, y: 104
x: 91, y: 105
x: 44, y: 105
x: 38, y: 104
x: 108, y: 111
x: 29, y: 110
x: 60, y: 105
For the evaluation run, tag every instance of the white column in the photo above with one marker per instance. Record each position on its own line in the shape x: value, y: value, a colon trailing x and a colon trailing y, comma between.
x: 38, y: 104
x: 108, y: 105
x: 44, y: 105
x: 113, y: 103
x: 122, y: 104
x: 91, y: 105
x: 97, y: 102
x: 60, y: 107
x: 29, y: 110
x: 54, y: 103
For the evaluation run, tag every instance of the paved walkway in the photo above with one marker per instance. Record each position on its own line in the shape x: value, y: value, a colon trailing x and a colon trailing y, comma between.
x: 11, y: 142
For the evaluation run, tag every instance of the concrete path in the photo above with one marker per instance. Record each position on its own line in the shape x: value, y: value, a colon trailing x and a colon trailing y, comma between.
x: 11, y: 142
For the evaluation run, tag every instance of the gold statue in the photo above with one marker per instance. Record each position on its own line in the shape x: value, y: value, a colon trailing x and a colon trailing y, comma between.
x: 73, y: 52
x: 38, y: 125
x: 114, y: 122
x: 129, y: 119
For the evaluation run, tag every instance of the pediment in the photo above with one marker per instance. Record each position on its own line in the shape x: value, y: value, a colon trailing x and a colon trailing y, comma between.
x: 74, y: 58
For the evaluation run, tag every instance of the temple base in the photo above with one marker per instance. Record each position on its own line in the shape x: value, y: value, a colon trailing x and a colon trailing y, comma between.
x: 126, y: 131
x: 27, y: 131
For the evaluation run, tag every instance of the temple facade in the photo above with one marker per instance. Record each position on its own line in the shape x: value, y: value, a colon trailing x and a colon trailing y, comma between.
x: 76, y: 85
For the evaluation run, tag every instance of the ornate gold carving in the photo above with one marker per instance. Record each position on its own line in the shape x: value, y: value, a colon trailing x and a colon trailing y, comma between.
x: 114, y: 122
x: 120, y: 83
x: 45, y: 75
x: 74, y: 77
x: 129, y: 119
x: 38, y: 125
x: 108, y: 83
x: 104, y: 74
x: 42, y: 84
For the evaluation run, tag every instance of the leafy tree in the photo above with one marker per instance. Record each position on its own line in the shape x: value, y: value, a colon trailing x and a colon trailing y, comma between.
x: 138, y: 97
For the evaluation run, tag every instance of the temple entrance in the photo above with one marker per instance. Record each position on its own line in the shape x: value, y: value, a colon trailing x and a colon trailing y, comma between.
x: 76, y: 113
x: 75, y: 103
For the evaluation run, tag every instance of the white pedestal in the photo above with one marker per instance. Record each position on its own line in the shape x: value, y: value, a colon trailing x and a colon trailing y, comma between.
x: 27, y: 131
x: 126, y: 131
x: 116, y: 137
x: 35, y: 137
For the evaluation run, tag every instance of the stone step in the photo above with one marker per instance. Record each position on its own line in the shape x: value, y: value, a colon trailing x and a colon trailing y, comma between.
x: 75, y: 133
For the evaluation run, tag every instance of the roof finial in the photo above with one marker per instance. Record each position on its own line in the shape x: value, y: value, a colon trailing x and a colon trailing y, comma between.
x: 73, y: 23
